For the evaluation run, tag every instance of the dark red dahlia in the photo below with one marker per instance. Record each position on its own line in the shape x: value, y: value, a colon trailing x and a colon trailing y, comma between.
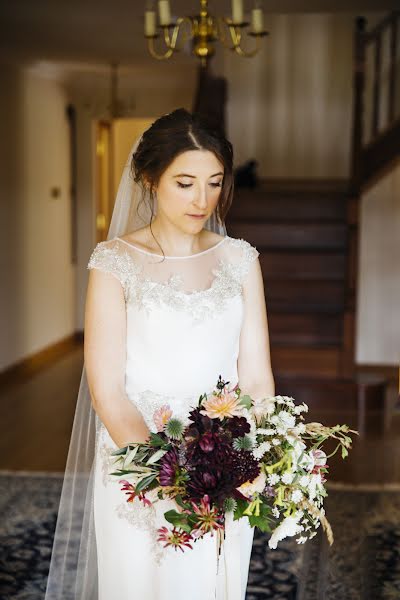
x: 238, y: 426
x: 169, y: 467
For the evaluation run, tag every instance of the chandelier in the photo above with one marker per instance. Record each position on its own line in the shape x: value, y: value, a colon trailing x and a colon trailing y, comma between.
x: 204, y: 29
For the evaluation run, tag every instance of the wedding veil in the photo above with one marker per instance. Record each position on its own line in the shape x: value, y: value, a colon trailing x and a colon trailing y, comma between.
x: 73, y: 564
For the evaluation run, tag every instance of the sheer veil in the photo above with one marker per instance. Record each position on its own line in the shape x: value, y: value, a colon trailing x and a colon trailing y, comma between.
x: 73, y: 564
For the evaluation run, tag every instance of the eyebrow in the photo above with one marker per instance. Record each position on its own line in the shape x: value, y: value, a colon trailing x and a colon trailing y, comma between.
x: 193, y: 177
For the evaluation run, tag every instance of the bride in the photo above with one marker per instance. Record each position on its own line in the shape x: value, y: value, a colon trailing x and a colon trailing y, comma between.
x: 172, y: 303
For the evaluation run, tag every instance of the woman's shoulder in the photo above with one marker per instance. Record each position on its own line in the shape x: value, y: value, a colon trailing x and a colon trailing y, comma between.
x: 109, y: 256
x: 243, y: 247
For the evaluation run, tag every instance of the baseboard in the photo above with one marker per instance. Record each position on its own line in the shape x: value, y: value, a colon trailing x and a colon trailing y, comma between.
x: 34, y: 363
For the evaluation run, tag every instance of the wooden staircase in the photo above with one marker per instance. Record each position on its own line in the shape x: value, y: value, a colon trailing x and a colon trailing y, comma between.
x: 301, y: 234
x: 307, y: 233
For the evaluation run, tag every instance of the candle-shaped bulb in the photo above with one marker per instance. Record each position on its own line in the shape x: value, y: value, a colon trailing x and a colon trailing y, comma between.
x: 257, y: 20
x: 237, y: 11
x: 150, y: 22
x: 164, y: 12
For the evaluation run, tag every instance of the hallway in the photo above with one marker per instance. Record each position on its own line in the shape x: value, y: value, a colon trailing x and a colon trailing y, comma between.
x: 38, y: 412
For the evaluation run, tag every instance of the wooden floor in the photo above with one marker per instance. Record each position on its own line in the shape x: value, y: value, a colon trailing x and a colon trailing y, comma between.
x: 37, y: 416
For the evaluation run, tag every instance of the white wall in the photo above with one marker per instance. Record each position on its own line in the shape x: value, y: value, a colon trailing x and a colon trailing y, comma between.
x: 37, y: 299
x: 378, y: 336
x: 290, y: 106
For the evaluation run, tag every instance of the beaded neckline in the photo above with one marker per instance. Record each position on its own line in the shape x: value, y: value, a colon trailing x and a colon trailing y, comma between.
x: 162, y: 256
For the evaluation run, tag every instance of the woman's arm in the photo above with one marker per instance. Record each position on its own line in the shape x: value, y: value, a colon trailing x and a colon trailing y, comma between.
x: 105, y: 359
x: 254, y: 361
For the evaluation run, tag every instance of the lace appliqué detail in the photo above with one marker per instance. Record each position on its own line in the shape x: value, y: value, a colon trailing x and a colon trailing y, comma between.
x: 144, y: 518
x: 103, y: 451
x: 118, y: 264
x: 148, y: 401
x: 144, y: 293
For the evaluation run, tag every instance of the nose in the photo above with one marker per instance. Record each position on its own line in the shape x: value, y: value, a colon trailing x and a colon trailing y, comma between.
x: 201, y: 199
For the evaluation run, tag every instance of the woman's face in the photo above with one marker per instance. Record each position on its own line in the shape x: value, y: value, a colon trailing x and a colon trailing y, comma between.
x: 191, y: 185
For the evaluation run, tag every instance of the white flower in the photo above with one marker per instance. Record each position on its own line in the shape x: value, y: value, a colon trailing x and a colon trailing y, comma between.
x: 281, y: 430
x: 307, y: 461
x: 319, y: 457
x: 273, y: 478
x: 276, y: 441
x: 287, y: 477
x: 275, y: 512
x: 288, y: 528
x: 301, y: 539
x: 287, y: 419
x: 264, y: 431
x: 304, y: 480
x: 311, y: 535
x: 274, y: 419
x: 300, y: 428
x: 297, y: 496
x: 262, y: 407
x: 261, y: 450
x: 300, y: 408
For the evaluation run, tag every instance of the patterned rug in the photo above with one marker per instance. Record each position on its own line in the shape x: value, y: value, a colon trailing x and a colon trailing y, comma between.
x: 363, y: 563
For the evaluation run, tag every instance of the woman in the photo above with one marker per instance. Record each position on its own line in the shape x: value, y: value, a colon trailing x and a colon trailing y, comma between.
x: 170, y: 306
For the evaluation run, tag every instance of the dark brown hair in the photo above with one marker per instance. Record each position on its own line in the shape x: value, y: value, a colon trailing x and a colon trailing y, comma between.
x: 171, y: 135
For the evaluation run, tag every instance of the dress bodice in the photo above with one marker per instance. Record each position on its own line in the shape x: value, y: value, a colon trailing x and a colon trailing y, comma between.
x: 184, y: 317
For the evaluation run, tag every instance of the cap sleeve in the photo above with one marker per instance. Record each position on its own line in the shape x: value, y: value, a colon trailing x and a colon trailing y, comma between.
x: 245, y: 255
x: 107, y: 257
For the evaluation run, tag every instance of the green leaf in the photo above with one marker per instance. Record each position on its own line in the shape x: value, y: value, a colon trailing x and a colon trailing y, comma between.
x: 143, y: 483
x: 156, y: 456
x: 178, y: 520
x: 240, y: 507
x: 245, y: 400
x: 180, y: 502
x: 156, y: 440
x: 122, y: 472
x: 130, y: 456
x: 260, y: 522
x: 344, y: 452
x: 119, y: 451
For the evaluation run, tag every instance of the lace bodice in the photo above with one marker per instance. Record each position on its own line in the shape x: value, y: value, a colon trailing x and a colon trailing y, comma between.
x: 198, y: 283
x: 184, y: 317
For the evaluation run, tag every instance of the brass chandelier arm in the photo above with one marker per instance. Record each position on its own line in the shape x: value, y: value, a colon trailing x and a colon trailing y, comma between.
x: 205, y: 30
x: 250, y: 53
x: 223, y: 25
x: 171, y: 42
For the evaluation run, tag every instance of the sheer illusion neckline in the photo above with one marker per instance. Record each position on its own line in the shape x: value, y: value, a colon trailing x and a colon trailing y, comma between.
x: 175, y: 257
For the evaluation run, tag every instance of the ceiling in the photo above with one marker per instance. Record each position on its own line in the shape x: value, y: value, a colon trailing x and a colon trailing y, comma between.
x: 87, y: 32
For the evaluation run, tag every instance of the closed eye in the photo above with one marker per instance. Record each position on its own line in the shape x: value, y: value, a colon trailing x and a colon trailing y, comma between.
x: 187, y: 185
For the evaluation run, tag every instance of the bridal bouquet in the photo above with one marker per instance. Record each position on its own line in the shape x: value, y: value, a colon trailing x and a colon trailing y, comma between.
x: 256, y: 458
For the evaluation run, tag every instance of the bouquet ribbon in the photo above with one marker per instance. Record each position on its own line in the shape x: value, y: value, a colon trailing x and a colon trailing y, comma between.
x: 229, y: 581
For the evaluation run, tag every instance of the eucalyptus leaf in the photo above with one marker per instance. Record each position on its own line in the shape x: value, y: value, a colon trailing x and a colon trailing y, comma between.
x: 145, y: 481
x: 119, y: 451
x: 156, y: 456
x: 129, y: 457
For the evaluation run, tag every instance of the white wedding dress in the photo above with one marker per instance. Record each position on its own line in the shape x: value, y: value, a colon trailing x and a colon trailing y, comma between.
x: 184, y: 317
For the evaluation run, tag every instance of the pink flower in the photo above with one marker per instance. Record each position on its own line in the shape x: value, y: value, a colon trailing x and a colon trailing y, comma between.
x: 320, y: 465
x: 131, y: 493
x: 208, y: 518
x: 161, y: 416
x: 174, y: 538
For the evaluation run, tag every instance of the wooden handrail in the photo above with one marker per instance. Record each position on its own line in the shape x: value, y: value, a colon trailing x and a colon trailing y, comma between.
x: 362, y: 41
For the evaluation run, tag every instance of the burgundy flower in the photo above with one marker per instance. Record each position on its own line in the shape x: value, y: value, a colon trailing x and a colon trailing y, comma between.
x: 169, y: 467
x: 206, y: 442
x: 238, y: 426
